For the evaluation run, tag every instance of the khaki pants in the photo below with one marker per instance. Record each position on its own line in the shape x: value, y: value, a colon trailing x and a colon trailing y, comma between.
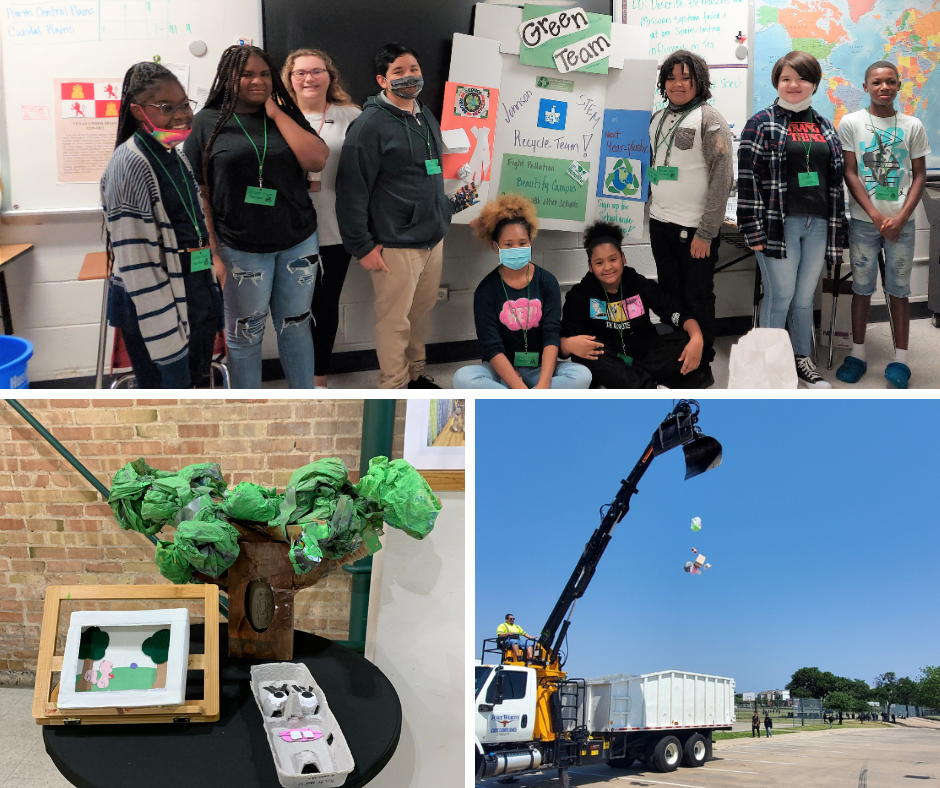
x: 404, y: 298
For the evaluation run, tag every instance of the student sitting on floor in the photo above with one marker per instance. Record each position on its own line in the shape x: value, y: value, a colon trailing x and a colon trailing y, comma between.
x: 517, y: 309
x: 606, y: 323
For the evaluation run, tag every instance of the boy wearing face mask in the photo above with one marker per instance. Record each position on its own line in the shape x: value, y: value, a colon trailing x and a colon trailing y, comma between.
x: 163, y: 294
x: 393, y: 213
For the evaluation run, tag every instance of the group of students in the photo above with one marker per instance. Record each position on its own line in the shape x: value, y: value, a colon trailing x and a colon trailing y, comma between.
x: 334, y: 181
x: 282, y: 179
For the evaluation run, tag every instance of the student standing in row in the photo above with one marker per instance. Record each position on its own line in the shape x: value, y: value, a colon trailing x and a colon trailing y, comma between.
x: 517, y: 309
x: 163, y: 295
x: 885, y: 170
x: 251, y: 148
x: 791, y: 203
x: 690, y: 179
x: 393, y: 213
x: 314, y: 83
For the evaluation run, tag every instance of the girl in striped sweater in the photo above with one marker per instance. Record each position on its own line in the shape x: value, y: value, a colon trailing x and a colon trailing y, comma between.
x: 163, y: 291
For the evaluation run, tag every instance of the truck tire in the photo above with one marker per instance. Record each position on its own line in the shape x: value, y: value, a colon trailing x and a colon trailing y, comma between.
x: 695, y: 752
x: 666, y: 754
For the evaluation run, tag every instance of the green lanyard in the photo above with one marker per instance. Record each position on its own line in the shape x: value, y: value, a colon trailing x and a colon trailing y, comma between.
x: 261, y: 156
x: 670, y: 135
x: 623, y: 345
x: 525, y: 328
x: 191, y: 210
x: 409, y: 127
x: 894, y: 132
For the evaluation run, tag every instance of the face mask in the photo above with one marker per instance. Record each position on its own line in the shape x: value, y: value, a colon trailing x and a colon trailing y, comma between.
x: 168, y: 138
x: 798, y: 107
x: 517, y: 258
x: 406, y: 87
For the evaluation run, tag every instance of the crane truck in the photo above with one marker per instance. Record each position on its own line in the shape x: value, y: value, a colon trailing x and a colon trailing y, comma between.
x: 531, y: 716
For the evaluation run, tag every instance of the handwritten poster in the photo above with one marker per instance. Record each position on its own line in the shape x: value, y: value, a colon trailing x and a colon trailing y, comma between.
x: 625, y: 154
x: 629, y: 215
x: 543, y: 45
x: 472, y: 108
x: 86, y: 113
x: 555, y: 193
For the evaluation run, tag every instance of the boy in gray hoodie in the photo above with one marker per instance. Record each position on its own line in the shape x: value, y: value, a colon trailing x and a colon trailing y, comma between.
x: 393, y: 213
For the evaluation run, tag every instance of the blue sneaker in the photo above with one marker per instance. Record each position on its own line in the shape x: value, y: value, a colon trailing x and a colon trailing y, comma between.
x: 852, y: 370
x: 898, y: 374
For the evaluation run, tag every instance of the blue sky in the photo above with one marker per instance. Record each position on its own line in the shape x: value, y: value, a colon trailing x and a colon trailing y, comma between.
x: 822, y: 526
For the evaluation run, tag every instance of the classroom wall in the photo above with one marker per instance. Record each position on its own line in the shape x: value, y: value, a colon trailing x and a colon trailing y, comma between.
x: 56, y: 530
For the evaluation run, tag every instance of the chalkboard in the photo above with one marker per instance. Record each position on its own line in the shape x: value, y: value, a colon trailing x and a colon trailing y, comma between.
x: 70, y: 56
x: 352, y: 31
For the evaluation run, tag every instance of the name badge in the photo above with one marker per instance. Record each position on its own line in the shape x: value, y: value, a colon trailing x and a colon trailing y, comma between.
x: 652, y: 175
x: 526, y: 360
x: 888, y: 193
x: 628, y: 360
x: 433, y: 166
x: 258, y: 196
x: 668, y: 173
x: 200, y: 259
x: 809, y: 178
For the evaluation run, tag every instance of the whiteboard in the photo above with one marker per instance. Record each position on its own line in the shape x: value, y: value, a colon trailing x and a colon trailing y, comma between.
x: 89, y: 41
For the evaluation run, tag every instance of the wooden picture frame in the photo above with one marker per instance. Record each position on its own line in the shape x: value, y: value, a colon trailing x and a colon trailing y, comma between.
x: 205, y: 709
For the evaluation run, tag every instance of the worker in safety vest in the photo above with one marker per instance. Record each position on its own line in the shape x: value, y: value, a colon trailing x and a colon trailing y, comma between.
x: 510, y: 634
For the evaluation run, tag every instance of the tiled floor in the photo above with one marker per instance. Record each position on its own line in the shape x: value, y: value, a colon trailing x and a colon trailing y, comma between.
x: 23, y: 759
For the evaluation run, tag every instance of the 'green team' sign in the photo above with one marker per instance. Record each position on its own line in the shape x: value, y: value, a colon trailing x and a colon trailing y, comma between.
x: 570, y: 40
x: 554, y: 192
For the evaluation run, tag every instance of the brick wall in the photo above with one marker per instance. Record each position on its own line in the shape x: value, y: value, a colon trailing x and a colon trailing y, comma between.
x: 56, y: 529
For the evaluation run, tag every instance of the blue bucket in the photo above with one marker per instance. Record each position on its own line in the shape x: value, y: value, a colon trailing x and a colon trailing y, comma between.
x: 14, y: 353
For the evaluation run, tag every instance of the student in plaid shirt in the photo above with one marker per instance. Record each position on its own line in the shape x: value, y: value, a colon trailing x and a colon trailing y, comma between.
x: 791, y: 202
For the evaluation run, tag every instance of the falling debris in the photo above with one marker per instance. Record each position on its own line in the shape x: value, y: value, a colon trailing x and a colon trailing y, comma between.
x: 696, y: 523
x: 697, y: 566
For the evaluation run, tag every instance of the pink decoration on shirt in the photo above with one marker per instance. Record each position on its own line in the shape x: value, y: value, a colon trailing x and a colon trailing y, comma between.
x: 521, y: 313
x: 635, y: 307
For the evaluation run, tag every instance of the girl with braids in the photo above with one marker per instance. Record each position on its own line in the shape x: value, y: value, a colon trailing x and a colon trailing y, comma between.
x: 690, y: 180
x: 606, y: 323
x: 251, y: 148
x: 517, y: 309
x: 314, y: 83
x: 163, y: 295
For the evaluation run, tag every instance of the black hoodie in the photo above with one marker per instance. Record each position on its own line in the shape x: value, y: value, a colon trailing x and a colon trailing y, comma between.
x: 590, y: 310
x: 384, y: 194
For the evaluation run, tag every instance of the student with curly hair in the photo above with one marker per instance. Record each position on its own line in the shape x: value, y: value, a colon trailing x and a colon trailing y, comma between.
x: 162, y: 292
x: 314, y: 83
x: 690, y: 179
x: 251, y: 148
x: 517, y: 309
x: 606, y: 323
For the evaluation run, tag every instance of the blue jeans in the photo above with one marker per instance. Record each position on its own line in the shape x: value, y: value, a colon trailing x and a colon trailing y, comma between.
x: 790, y: 282
x: 482, y: 376
x: 283, y: 281
x: 865, y: 242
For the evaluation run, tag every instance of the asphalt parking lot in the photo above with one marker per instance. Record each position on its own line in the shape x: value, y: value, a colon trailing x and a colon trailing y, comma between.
x: 879, y: 758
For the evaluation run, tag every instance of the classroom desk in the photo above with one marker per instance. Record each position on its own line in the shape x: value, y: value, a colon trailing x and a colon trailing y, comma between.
x: 8, y: 253
x: 95, y: 266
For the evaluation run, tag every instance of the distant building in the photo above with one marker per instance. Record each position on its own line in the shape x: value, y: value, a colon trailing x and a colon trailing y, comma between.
x: 769, y: 696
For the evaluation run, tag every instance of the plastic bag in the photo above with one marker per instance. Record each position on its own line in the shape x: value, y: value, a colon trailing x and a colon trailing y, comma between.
x: 763, y: 359
x: 128, y: 489
x: 402, y: 494
x: 209, y: 545
x: 171, y: 564
x: 252, y: 502
x: 205, y: 478
x: 311, y: 491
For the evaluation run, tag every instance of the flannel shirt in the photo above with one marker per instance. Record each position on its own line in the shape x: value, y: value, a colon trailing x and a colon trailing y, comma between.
x: 762, y: 183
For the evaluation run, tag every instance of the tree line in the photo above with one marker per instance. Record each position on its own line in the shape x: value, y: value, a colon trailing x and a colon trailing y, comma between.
x: 852, y: 695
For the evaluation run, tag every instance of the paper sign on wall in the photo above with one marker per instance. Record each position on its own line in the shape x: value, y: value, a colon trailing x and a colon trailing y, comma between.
x: 86, y: 113
x: 473, y: 109
x: 629, y: 215
x: 625, y: 153
x: 570, y: 40
x: 555, y: 192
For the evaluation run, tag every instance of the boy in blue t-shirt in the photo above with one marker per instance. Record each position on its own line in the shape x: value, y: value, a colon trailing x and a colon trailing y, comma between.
x: 885, y: 170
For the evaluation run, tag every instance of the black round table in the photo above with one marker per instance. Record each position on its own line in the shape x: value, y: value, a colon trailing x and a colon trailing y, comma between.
x: 234, y: 752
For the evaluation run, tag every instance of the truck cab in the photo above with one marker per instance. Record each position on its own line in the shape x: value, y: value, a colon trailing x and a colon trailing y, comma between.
x: 505, y: 703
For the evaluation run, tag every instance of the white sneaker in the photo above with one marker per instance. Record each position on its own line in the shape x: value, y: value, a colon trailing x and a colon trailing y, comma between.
x: 806, y: 372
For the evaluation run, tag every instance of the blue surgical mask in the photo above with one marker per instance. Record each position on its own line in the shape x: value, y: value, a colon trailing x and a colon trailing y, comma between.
x: 516, y: 258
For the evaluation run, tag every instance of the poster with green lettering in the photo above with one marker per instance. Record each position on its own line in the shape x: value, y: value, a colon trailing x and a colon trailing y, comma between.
x: 544, y: 32
x: 546, y: 182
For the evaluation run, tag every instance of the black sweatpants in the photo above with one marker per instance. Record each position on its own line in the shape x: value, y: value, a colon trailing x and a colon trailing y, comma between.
x: 690, y: 280
x: 334, y: 263
x: 204, y: 310
x: 659, y: 365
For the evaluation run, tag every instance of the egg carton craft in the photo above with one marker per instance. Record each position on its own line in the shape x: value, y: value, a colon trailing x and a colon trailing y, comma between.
x: 305, y: 739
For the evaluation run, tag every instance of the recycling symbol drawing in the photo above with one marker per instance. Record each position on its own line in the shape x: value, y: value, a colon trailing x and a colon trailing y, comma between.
x: 622, y: 178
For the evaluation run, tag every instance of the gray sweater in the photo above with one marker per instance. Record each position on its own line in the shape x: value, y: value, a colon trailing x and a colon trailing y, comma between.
x: 384, y: 194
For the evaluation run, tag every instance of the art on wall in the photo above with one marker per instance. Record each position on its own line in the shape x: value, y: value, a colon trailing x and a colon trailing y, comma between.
x: 435, y: 434
x: 86, y: 113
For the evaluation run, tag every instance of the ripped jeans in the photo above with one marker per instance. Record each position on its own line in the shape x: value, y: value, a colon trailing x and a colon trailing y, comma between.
x: 283, y: 281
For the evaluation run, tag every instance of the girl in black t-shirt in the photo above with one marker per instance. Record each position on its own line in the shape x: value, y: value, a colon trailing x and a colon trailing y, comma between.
x: 251, y: 148
x: 162, y: 292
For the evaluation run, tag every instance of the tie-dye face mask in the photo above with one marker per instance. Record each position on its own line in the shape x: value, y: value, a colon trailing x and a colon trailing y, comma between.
x: 168, y: 138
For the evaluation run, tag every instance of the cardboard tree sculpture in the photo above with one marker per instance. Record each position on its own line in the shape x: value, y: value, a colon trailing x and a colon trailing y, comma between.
x: 262, y: 546
x: 91, y: 647
x: 157, y: 647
